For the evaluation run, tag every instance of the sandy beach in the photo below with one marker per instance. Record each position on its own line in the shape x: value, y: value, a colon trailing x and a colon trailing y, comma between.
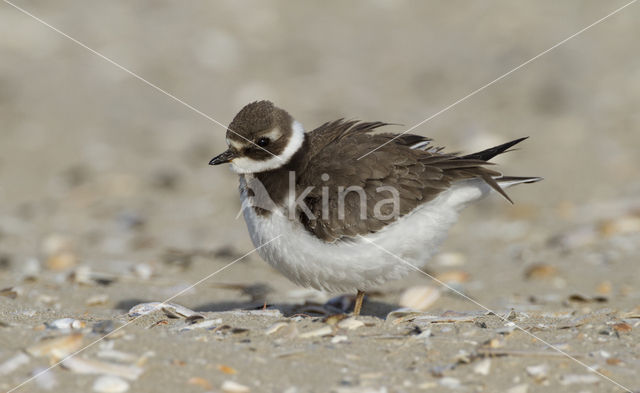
x: 108, y: 206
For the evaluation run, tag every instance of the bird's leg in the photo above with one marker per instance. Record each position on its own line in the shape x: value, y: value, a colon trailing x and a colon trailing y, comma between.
x: 358, y: 306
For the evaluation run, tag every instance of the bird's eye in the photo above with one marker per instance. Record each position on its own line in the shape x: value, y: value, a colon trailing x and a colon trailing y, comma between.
x: 263, y: 142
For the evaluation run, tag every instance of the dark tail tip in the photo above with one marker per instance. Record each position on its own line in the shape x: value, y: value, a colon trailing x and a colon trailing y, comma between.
x: 488, y: 154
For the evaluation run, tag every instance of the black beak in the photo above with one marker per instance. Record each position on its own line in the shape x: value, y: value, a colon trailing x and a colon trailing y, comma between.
x: 223, y: 158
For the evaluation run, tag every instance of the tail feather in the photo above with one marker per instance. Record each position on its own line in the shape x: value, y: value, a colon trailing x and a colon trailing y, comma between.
x: 488, y: 154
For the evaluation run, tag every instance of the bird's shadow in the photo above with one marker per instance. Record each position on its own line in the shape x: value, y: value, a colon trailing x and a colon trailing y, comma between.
x: 370, y: 307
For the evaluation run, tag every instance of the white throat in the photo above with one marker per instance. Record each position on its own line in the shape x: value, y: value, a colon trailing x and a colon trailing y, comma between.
x: 248, y: 165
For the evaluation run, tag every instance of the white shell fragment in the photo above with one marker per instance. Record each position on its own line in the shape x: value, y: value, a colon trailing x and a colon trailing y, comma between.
x: 538, y: 372
x: 323, y: 331
x: 339, y: 339
x: 118, y: 356
x: 13, y: 363
x: 66, y: 324
x: 483, y: 367
x: 45, y: 378
x: 110, y: 384
x: 350, y: 324
x: 97, y: 300
x: 90, y: 366
x: 205, y: 324
x: 571, y: 379
x: 275, y: 327
x: 419, y: 298
x: 57, y: 348
x: 172, y: 310
x: 234, y: 387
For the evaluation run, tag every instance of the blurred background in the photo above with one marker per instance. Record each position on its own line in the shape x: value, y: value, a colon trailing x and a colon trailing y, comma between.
x: 93, y: 153
x: 104, y: 182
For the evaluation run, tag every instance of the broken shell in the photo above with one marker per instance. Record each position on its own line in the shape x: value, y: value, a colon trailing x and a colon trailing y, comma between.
x: 570, y: 379
x: 9, y: 292
x: 197, y: 381
x: 453, y: 277
x: 110, y: 384
x: 419, y: 298
x: 275, y: 327
x: 97, y: 300
x: 91, y: 366
x: 143, y: 271
x: 57, y: 348
x: 604, y: 288
x: 226, y: 369
x: 234, y: 387
x: 12, y: 364
x: 44, y: 378
x: 339, y: 339
x: 350, y: 324
x: 540, y: 271
x: 323, y: 331
x: 171, y: 310
x: 521, y: 388
x: 622, y: 327
x: 204, y: 324
x: 66, y: 324
x: 334, y: 319
x: 119, y: 356
x: 449, y: 382
x: 450, y: 259
x: 539, y: 372
x: 61, y: 261
x: 483, y: 367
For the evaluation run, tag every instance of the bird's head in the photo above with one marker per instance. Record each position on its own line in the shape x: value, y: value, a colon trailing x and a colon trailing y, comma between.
x: 261, y: 137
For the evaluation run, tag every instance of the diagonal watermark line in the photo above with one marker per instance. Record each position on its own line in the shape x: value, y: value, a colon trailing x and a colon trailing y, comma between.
x: 504, y: 319
x: 133, y: 74
x: 158, y: 307
x: 501, y: 77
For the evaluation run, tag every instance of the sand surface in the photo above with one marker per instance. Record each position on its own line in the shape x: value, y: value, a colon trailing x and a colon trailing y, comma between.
x: 106, y: 201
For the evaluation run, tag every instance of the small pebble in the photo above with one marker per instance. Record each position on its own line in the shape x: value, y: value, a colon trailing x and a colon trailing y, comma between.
x: 109, y: 384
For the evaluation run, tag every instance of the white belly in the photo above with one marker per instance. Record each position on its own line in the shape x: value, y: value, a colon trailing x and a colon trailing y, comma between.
x: 358, y: 264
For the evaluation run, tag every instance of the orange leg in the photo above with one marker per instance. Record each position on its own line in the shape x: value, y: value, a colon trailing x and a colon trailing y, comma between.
x: 358, y: 306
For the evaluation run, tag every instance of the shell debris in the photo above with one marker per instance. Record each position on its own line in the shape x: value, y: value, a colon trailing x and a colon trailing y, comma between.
x: 275, y: 328
x: 483, y: 367
x: 58, y: 347
x: 350, y: 324
x: 110, y: 384
x: 419, y: 298
x: 538, y: 372
x: 234, y: 387
x: 82, y: 365
x: 13, y: 363
x: 201, y: 382
x: 171, y: 310
x: 323, y: 331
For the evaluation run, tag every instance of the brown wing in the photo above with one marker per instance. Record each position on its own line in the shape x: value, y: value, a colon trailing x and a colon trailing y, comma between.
x: 418, y: 175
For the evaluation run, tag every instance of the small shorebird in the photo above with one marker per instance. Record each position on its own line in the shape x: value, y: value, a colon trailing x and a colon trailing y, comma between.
x: 326, y: 195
